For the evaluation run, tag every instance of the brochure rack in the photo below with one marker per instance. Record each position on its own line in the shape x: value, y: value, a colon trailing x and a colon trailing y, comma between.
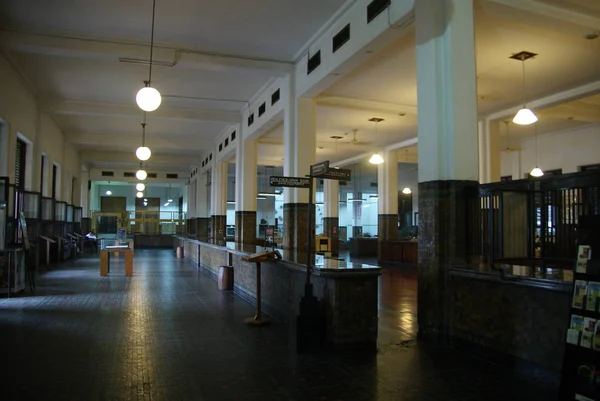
x: 580, y: 378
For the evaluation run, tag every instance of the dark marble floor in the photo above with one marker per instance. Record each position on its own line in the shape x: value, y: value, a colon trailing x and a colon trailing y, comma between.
x: 169, y: 334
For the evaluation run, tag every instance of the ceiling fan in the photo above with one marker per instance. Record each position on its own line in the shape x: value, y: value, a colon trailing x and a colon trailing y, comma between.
x: 356, y: 141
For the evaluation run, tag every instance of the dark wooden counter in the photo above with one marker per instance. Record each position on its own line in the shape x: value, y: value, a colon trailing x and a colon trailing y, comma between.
x: 405, y: 252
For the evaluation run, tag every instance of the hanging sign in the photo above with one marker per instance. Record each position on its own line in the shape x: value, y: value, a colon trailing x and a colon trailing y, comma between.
x: 317, y: 170
x: 292, y: 182
x: 341, y: 174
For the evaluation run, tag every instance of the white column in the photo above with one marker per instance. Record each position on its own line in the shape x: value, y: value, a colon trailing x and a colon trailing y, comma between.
x: 299, y: 141
x: 331, y: 194
x: 191, y: 199
x: 245, y: 176
x: 446, y: 89
x: 84, y: 192
x: 387, y: 184
x: 488, y: 133
x: 219, y: 189
x: 202, y: 195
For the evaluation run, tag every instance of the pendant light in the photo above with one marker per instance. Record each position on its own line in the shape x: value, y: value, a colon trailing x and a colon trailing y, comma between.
x: 376, y: 158
x: 140, y: 186
x: 406, y: 190
x: 536, y: 172
x: 108, y: 191
x: 141, y: 174
x: 140, y: 194
x: 170, y: 200
x: 524, y: 116
x: 148, y: 98
x: 143, y: 153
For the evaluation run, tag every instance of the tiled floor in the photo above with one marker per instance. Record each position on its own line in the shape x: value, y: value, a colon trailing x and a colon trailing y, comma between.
x: 169, y: 334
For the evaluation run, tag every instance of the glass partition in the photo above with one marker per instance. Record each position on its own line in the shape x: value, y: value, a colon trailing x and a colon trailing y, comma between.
x: 31, y: 205
x: 77, y: 214
x: 60, y: 211
x: 70, y: 213
x: 47, y: 209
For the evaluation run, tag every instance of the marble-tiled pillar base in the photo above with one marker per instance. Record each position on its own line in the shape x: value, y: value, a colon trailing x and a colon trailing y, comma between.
x: 295, y: 226
x: 387, y: 229
x: 245, y: 227
x: 442, y: 245
x: 202, y: 226
x: 218, y: 231
x: 331, y: 229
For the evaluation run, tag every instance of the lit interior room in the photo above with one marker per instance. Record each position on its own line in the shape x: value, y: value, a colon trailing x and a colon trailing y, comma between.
x: 207, y: 200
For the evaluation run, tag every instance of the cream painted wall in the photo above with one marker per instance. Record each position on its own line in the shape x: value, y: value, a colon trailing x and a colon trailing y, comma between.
x: 18, y: 109
x: 563, y: 150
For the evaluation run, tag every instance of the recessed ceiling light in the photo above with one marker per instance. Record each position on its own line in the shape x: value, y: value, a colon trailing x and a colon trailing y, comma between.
x: 336, y: 137
x: 401, y: 114
x: 376, y: 119
x: 523, y: 55
x: 592, y: 35
x: 320, y: 147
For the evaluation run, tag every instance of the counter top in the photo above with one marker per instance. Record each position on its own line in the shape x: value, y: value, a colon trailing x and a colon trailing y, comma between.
x: 319, y: 263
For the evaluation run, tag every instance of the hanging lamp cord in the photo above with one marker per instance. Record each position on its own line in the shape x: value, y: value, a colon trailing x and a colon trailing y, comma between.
x: 151, y: 43
x: 523, y: 65
x: 536, y: 150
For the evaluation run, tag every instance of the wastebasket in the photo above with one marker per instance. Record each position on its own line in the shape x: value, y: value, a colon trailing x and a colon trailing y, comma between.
x: 225, y: 279
x: 179, y: 252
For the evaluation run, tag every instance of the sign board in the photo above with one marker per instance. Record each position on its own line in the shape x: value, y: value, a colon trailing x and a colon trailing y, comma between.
x: 292, y: 182
x: 342, y: 174
x: 317, y: 170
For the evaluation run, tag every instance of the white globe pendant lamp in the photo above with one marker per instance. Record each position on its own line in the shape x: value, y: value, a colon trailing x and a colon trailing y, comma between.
x: 148, y: 98
x: 143, y: 152
x: 140, y: 194
x: 141, y: 174
x: 407, y: 191
x: 140, y: 186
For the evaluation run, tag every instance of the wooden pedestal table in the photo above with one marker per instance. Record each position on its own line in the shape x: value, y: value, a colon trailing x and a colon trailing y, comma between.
x: 105, y: 260
x: 258, y: 258
x: 48, y: 242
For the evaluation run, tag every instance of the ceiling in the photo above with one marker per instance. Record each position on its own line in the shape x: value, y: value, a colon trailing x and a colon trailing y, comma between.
x: 220, y: 54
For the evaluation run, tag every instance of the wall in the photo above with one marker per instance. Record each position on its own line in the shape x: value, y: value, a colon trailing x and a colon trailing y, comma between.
x: 18, y: 109
x: 566, y: 150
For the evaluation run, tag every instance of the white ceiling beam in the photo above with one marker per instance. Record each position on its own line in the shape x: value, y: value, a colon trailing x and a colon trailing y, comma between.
x: 551, y: 100
x: 551, y: 11
x: 362, y: 104
x: 172, y: 54
x: 71, y: 107
x: 576, y: 111
x: 156, y: 143
x: 125, y: 158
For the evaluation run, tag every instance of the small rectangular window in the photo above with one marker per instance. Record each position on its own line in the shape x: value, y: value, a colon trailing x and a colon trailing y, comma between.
x: 233, y: 136
x: 375, y: 8
x: 128, y: 174
x: 250, y: 119
x: 261, y: 109
x: 313, y: 62
x: 341, y: 38
x: 226, y: 142
x: 152, y: 175
x: 108, y: 174
x: 275, y: 97
x: 171, y: 176
x: 220, y: 147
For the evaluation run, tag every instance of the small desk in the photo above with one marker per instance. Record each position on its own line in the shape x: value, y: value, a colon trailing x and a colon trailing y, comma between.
x: 117, y: 249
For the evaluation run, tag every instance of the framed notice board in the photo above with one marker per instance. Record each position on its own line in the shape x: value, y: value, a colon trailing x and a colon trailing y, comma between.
x: 580, y: 379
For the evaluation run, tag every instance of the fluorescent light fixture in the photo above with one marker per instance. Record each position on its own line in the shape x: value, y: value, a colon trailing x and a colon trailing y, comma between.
x: 269, y: 194
x: 356, y: 200
x: 146, y: 62
x: 231, y: 202
x: 145, y: 199
x: 170, y: 200
x: 166, y: 204
x: 261, y: 197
